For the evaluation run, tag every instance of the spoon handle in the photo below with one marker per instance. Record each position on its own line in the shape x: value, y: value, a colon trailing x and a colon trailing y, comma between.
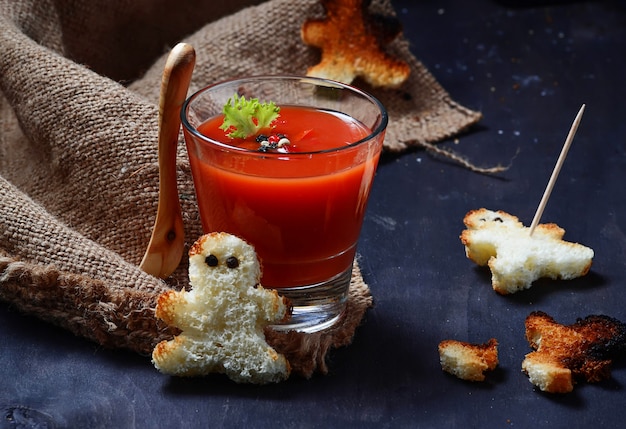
x: 166, y: 246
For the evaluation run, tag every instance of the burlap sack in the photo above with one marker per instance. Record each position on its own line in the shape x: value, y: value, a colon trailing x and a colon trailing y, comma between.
x: 78, y: 158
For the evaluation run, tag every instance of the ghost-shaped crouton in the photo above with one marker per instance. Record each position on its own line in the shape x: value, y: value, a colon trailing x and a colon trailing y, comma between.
x: 222, y: 317
x: 515, y: 257
x: 352, y: 42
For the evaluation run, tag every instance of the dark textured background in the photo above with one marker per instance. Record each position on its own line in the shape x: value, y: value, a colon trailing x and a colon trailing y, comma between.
x: 528, y: 68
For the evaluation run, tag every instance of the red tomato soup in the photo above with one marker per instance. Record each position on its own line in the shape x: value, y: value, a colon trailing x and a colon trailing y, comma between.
x: 301, y: 211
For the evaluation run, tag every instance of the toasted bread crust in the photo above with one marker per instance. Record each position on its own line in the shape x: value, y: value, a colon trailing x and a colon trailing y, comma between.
x: 166, y: 308
x: 351, y: 39
x: 566, y: 354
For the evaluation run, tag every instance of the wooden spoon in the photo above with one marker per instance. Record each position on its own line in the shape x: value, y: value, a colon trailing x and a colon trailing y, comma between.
x: 166, y: 246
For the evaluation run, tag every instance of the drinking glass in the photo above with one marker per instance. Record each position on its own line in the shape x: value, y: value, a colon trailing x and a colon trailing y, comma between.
x: 301, y: 210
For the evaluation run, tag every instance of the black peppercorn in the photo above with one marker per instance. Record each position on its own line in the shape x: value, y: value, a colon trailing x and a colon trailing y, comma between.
x: 232, y: 262
x: 211, y: 261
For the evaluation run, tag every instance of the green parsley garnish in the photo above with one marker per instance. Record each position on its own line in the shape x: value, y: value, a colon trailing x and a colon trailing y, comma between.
x: 244, y: 118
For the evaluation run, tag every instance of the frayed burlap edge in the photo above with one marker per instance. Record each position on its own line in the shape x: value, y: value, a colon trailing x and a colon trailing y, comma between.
x: 114, y: 318
x: 124, y: 318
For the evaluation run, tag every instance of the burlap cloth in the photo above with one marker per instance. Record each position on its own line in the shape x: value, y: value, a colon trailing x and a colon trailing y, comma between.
x: 78, y: 159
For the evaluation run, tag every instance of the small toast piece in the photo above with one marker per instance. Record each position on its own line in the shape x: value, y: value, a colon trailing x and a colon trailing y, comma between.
x: 351, y: 40
x: 583, y: 351
x: 516, y: 259
x: 468, y: 361
x: 222, y: 317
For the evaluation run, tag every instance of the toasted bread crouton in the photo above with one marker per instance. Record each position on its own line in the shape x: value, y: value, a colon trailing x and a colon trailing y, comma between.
x: 564, y: 355
x: 222, y: 317
x: 350, y: 39
x: 468, y: 361
x: 516, y: 259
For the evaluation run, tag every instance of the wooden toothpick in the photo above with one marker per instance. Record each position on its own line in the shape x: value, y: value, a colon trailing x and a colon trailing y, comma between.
x: 557, y: 169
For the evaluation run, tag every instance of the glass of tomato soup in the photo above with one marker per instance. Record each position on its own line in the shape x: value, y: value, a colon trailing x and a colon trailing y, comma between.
x: 295, y: 186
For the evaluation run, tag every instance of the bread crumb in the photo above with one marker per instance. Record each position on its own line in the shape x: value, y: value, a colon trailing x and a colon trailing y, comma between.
x: 468, y: 361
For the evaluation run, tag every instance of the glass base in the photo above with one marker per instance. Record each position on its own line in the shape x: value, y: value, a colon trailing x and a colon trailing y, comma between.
x: 317, y: 306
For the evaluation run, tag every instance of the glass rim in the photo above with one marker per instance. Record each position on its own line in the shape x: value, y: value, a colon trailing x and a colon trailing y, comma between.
x: 380, y: 128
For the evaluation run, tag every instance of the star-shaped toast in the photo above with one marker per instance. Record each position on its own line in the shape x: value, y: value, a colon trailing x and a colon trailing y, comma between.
x: 222, y: 317
x: 351, y: 40
x: 566, y: 354
x: 515, y: 257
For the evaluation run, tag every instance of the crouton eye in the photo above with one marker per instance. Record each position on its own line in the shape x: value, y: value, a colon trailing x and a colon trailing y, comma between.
x: 232, y: 262
x: 211, y: 261
x: 498, y: 219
